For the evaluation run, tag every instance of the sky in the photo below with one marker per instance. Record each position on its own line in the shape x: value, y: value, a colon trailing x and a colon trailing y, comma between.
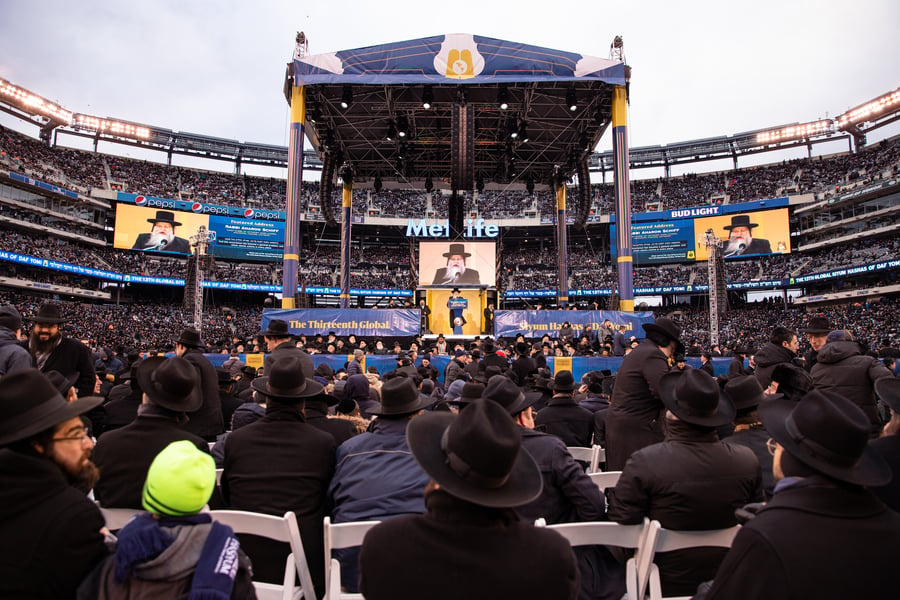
x: 699, y: 68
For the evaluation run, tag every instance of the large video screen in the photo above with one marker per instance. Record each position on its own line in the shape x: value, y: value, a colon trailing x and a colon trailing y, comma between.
x: 169, y: 231
x: 743, y: 234
x: 457, y: 264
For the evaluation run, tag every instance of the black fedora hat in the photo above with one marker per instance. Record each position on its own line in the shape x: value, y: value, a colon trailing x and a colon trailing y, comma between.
x: 818, y: 325
x: 563, y: 381
x: 170, y: 383
x: 503, y: 390
x: 277, y: 328
x: 286, y: 381
x: 746, y: 392
x: 457, y: 250
x: 476, y: 455
x: 694, y: 397
x: 190, y: 337
x: 61, y: 382
x: 828, y: 433
x: 741, y: 221
x: 470, y: 393
x: 666, y: 327
x: 31, y: 404
x: 165, y: 216
x: 49, y: 314
x: 888, y: 389
x: 399, y: 397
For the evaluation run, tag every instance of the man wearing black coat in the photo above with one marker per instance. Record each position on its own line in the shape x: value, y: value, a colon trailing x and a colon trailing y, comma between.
x: 492, y: 359
x: 635, y: 416
x: 52, y: 351
x: 842, y: 368
x: 824, y: 534
x: 124, y: 455
x: 524, y: 365
x: 745, y: 393
x: 280, y: 343
x: 470, y: 543
x: 282, y: 463
x: 781, y: 348
x: 124, y: 401
x: 563, y: 417
x: 816, y: 333
x: 691, y: 481
x: 207, y: 420
x: 51, y: 531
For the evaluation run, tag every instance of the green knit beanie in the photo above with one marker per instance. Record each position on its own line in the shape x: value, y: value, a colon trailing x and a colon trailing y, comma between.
x: 180, y: 480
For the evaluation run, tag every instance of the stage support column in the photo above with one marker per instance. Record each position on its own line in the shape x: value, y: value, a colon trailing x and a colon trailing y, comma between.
x: 561, y: 244
x: 292, y: 206
x: 624, y: 264
x: 346, y: 221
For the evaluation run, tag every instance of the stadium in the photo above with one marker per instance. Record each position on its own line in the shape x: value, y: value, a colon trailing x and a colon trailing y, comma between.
x: 439, y: 273
x: 67, y: 215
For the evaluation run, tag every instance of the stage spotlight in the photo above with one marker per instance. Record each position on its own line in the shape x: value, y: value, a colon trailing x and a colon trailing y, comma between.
x: 513, y: 129
x: 572, y: 99
x: 503, y: 98
x: 391, y: 132
x: 427, y: 97
x: 347, y: 97
x: 402, y: 126
x: 523, y: 132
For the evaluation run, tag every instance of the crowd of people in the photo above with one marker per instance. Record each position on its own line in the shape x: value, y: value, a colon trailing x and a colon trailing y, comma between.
x: 457, y: 465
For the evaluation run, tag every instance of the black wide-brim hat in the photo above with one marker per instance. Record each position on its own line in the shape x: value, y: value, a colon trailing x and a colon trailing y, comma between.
x: 165, y: 216
x: 457, y: 250
x: 277, y: 328
x: 666, y: 327
x: 694, y: 397
x: 741, y: 221
x: 482, y: 430
x: 746, y: 392
x: 31, y: 404
x: 48, y: 314
x: 399, y: 396
x: 191, y: 339
x: 828, y: 433
x: 307, y: 389
x: 172, y: 383
x: 818, y: 325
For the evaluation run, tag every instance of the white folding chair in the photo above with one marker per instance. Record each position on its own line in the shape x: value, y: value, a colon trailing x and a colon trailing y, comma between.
x: 219, y: 476
x: 281, y: 529
x: 598, y: 457
x: 117, y: 518
x: 583, y: 454
x: 341, y: 535
x: 605, y: 533
x: 605, y: 479
x: 668, y: 540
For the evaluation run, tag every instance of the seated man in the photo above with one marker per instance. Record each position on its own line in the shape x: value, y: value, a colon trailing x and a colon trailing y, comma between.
x: 174, y: 550
x: 824, y: 534
x: 51, y: 532
x: 691, y: 481
x: 124, y: 455
x: 469, y: 544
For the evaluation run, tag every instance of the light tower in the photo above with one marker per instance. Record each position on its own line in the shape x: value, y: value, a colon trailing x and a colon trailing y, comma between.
x: 193, y: 284
x: 714, y: 262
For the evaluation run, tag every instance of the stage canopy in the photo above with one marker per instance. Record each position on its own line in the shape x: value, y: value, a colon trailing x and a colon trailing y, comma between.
x: 367, y: 107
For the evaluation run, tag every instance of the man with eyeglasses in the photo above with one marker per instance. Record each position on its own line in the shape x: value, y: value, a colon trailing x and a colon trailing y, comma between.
x: 51, y: 531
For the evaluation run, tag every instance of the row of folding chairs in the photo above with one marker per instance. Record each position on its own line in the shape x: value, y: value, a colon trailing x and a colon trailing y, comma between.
x: 646, y: 539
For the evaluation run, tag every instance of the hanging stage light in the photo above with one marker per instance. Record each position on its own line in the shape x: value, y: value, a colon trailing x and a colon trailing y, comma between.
x: 427, y: 97
x: 503, y: 98
x: 572, y: 99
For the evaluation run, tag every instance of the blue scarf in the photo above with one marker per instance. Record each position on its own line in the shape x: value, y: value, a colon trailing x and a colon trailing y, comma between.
x: 144, y: 539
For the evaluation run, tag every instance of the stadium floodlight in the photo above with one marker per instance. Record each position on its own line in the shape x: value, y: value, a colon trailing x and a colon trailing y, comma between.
x: 402, y: 126
x: 111, y: 127
x: 34, y: 104
x: 391, y: 132
x: 503, y: 98
x: 523, y: 132
x: 572, y: 99
x: 513, y: 129
x: 427, y: 97
x: 347, y: 97
x: 869, y: 110
x: 795, y: 132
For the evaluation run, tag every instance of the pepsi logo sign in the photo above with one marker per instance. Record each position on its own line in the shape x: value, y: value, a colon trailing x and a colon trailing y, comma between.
x: 248, y: 212
x: 140, y: 200
x: 196, y: 207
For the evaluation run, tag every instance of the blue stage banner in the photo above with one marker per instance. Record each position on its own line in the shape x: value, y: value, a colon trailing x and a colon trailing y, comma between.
x: 358, y: 321
x: 536, y: 323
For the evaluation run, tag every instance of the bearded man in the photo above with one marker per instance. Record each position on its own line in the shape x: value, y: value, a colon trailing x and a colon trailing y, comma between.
x: 162, y: 235
x: 52, y: 351
x: 740, y: 238
x: 47, y: 523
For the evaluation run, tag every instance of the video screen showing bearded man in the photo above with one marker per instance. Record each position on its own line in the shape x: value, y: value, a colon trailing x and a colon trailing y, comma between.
x: 456, y: 271
x: 162, y: 235
x: 741, y: 240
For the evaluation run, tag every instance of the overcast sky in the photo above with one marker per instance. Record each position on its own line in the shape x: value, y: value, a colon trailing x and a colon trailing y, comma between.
x: 700, y: 68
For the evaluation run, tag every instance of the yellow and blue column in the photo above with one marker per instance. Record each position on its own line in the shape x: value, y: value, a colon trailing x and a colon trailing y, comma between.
x: 624, y: 261
x: 346, y: 206
x: 291, y: 257
x: 562, y: 244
